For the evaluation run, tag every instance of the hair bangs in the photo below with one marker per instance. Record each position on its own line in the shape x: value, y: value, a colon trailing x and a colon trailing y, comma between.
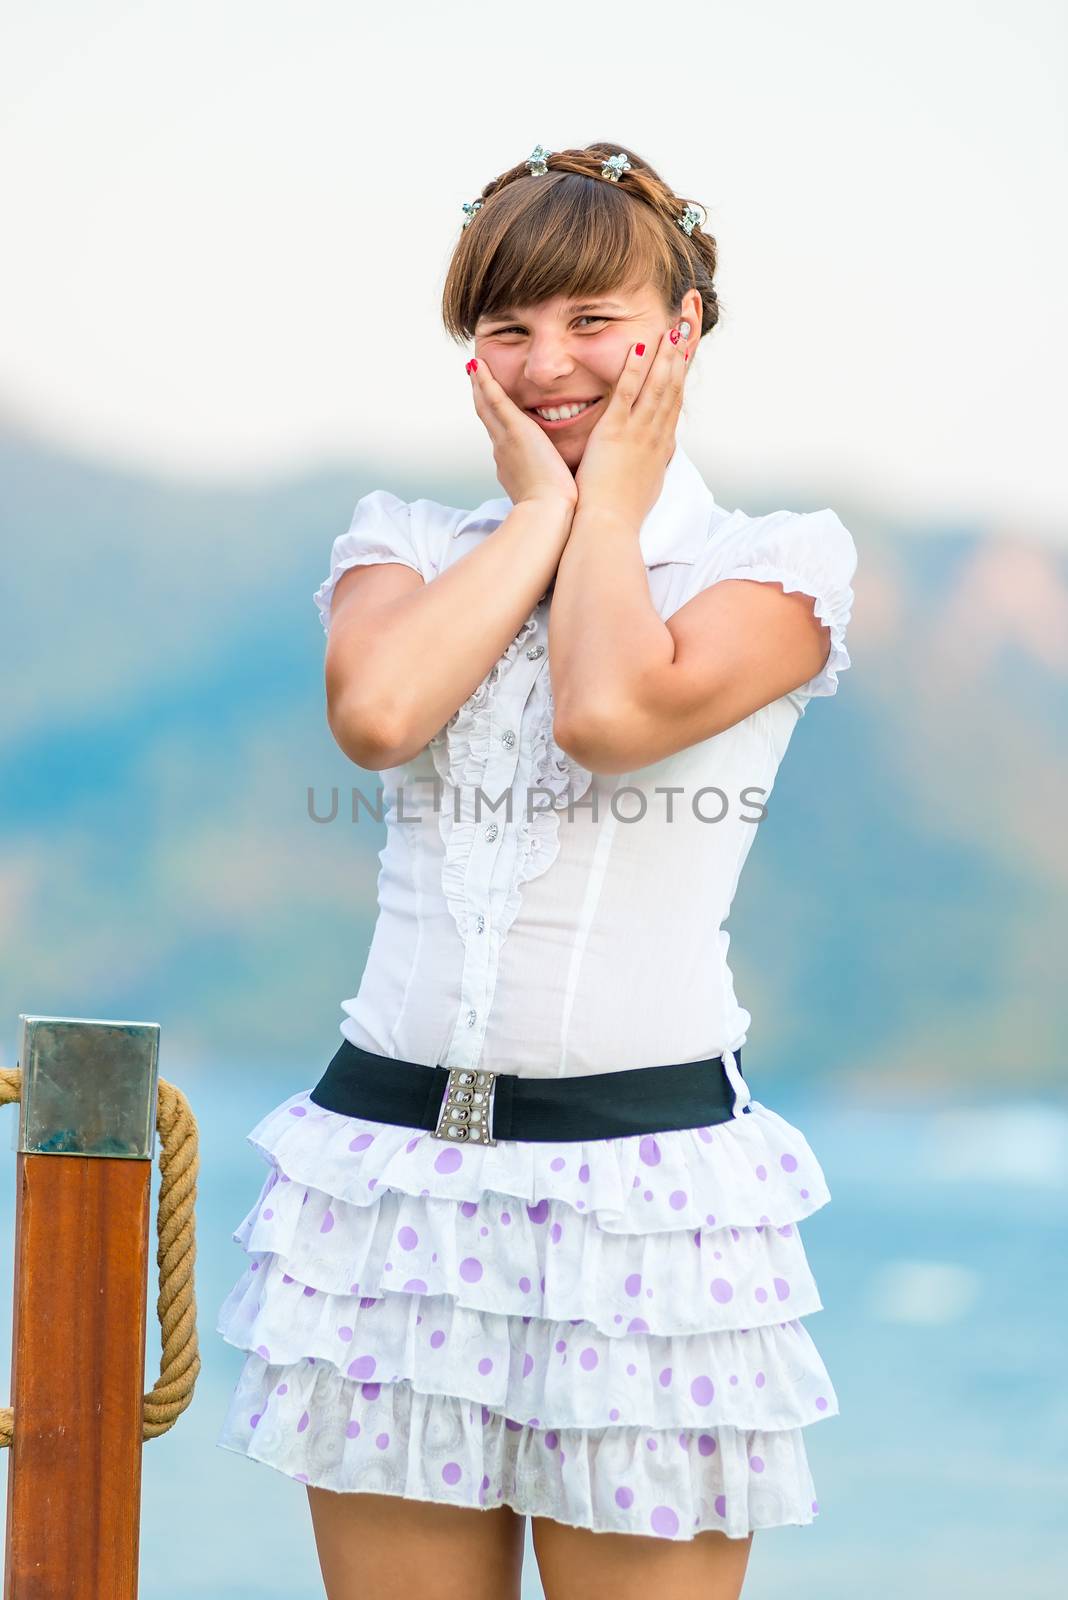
x: 566, y: 235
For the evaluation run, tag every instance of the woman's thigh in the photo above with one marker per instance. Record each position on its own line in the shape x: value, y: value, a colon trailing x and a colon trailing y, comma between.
x: 384, y: 1547
x: 578, y: 1564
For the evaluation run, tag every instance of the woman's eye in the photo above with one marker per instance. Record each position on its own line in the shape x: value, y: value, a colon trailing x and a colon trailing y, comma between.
x: 585, y: 318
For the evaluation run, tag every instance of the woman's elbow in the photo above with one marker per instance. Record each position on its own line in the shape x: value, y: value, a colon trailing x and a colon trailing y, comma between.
x: 371, y: 736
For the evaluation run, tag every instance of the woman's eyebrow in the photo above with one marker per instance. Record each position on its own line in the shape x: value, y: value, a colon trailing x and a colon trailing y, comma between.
x: 574, y: 305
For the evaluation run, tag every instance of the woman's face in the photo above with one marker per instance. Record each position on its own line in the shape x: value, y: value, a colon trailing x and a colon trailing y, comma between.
x: 563, y: 350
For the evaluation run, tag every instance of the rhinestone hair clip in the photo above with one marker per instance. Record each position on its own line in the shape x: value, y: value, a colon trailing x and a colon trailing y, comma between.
x: 537, y: 164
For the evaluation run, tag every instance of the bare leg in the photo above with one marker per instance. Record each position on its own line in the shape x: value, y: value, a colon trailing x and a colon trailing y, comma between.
x: 384, y: 1547
x: 578, y: 1564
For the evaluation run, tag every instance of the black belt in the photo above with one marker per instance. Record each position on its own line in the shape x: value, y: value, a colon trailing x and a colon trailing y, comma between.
x: 477, y: 1106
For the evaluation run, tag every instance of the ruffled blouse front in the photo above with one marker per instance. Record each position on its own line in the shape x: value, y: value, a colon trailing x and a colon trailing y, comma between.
x: 554, y: 932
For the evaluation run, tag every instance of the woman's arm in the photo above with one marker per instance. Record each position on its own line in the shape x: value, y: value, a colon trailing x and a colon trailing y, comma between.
x: 402, y: 655
x: 630, y: 688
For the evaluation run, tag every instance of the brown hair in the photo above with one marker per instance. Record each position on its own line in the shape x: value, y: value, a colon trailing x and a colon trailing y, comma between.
x: 569, y: 231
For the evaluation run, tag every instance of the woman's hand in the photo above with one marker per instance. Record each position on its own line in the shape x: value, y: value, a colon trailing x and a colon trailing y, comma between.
x: 529, y: 467
x: 627, y: 452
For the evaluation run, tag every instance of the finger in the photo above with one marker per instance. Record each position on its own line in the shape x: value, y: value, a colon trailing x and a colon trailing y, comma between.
x: 631, y: 378
x: 491, y: 400
x: 663, y: 386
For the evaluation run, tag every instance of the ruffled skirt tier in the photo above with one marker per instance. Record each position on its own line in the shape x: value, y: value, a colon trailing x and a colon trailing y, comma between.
x: 605, y: 1332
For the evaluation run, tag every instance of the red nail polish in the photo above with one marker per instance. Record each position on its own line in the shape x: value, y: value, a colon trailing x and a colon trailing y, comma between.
x: 467, y: 368
x: 686, y: 357
x: 639, y: 349
x: 474, y: 364
x: 674, y: 335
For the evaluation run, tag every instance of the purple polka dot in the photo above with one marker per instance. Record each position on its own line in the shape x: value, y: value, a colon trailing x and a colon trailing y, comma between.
x: 383, y: 1438
x: 637, y: 1325
x: 344, y: 1333
x: 649, y: 1150
x: 407, y: 1238
x: 539, y: 1212
x: 268, y: 1214
x: 557, y: 1164
x: 588, y: 1358
x: 524, y: 1284
x: 506, y: 1218
x: 263, y: 1351
x: 761, y: 1294
x: 787, y: 1230
x: 283, y: 1388
x: 625, y: 1497
x: 451, y: 1472
x: 298, y: 1111
x: 449, y: 1160
x: 664, y: 1521
x: 528, y: 1365
x: 613, y: 1415
x: 370, y: 1391
x: 361, y: 1141
x: 703, y: 1389
x: 633, y: 1283
x: 721, y: 1290
x: 327, y: 1222
x: 677, y: 1199
x: 352, y: 1430
x: 556, y: 1233
x: 821, y: 1402
x: 309, y: 1291
x: 721, y: 1505
x: 485, y: 1365
x: 757, y: 1463
x: 782, y: 1288
x: 788, y: 1162
x: 665, y: 1377
x: 362, y: 1367
x: 760, y: 1380
x: 762, y: 1172
x: 303, y: 1423
x: 302, y: 1477
x: 706, y: 1444
x: 584, y: 1172
x: 468, y: 1208
x: 804, y: 1194
x: 415, y: 1286
x: 552, y: 1439
x: 470, y: 1269
x: 648, y: 1194
x: 254, y: 1419
x: 815, y: 1505
x: 437, y: 1339
x: 734, y: 1377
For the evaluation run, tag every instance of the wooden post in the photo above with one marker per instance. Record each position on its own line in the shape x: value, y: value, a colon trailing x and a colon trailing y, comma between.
x: 84, y: 1168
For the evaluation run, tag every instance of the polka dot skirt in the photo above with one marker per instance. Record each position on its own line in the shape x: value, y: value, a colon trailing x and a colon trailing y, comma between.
x: 605, y: 1332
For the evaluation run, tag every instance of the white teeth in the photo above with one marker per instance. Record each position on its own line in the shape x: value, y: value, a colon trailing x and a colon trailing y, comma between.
x: 555, y: 413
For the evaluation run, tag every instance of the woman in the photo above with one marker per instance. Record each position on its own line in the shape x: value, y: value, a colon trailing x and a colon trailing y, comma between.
x: 562, y: 1279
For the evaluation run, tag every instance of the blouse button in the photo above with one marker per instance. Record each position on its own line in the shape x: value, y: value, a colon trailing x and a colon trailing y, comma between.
x: 535, y: 651
x: 481, y: 922
x: 491, y: 831
x: 508, y: 738
x: 471, y: 1018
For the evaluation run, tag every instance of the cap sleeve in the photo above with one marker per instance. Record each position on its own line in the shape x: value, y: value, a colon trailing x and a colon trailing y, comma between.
x: 810, y: 551
x: 381, y: 530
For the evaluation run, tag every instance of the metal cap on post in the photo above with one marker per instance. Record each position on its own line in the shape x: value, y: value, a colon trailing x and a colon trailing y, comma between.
x: 85, y: 1149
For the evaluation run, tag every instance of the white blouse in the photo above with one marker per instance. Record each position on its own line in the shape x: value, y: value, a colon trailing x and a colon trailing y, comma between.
x: 587, y: 939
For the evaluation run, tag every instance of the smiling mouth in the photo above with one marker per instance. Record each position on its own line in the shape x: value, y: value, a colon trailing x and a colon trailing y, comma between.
x: 565, y: 414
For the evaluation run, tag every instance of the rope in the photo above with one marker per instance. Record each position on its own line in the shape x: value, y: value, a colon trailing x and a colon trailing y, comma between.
x: 176, y: 1252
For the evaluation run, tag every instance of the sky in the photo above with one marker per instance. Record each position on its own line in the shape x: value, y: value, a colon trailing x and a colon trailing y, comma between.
x: 229, y: 224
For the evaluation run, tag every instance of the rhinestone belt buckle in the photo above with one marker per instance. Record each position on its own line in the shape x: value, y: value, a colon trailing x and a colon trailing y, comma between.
x: 466, y: 1105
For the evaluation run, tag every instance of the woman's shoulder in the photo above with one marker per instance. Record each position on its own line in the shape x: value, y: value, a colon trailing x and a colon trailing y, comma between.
x: 423, y: 534
x: 813, y: 542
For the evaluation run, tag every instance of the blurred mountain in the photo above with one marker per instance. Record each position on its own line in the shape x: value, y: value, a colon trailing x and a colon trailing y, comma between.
x: 901, y: 916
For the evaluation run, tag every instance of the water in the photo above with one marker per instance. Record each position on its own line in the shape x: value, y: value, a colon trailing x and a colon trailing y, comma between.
x: 941, y: 1265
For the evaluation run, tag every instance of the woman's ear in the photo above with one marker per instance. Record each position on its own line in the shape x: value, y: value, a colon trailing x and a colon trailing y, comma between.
x: 691, y: 312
